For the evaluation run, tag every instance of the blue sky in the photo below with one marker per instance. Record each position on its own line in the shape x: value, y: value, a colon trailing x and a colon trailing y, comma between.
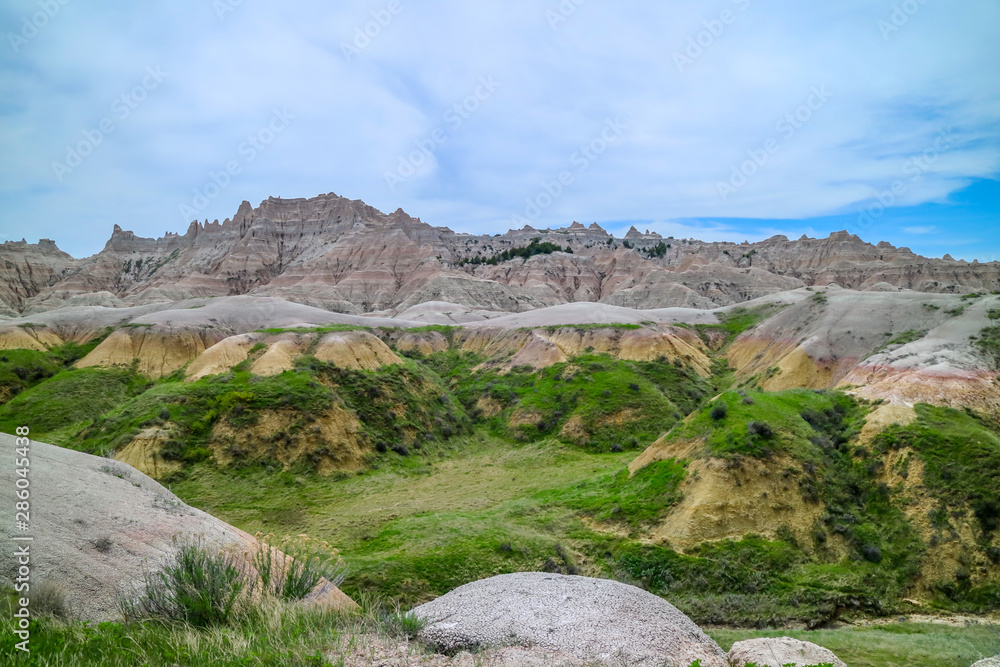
x: 723, y: 120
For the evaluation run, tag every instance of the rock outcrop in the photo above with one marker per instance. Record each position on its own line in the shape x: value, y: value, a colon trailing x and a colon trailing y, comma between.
x: 343, y: 255
x: 100, y: 525
x: 905, y: 348
x: 27, y: 269
x: 599, y: 620
x: 781, y: 652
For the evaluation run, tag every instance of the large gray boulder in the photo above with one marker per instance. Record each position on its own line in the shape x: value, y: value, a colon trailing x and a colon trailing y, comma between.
x: 779, y: 652
x: 99, y: 525
x: 597, y: 620
x: 988, y: 662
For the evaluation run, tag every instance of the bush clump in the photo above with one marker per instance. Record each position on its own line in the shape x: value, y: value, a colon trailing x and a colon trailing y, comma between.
x: 204, y: 587
x: 199, y: 588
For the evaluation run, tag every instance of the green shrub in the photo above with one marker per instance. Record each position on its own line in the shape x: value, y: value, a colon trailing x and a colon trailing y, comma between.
x: 49, y: 599
x: 305, y: 564
x: 907, y: 337
x: 535, y: 247
x: 988, y: 342
x: 200, y: 587
x: 400, y: 624
x: 719, y: 411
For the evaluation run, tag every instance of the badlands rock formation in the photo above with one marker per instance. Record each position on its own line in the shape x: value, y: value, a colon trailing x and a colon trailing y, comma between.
x: 906, y: 347
x: 100, y: 525
x: 345, y: 256
x: 28, y: 269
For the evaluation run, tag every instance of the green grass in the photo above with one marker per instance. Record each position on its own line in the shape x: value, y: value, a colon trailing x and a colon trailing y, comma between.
x: 988, y: 342
x: 643, y: 498
x: 276, y: 633
x: 452, y: 495
x: 444, y: 329
x: 815, y: 429
x: 614, y: 404
x: 961, y: 454
x: 908, y: 337
x: 23, y: 369
x: 398, y: 404
x: 328, y: 328
x: 896, y: 645
x: 193, y: 408
x: 589, y: 327
x: 401, y: 403
x: 416, y: 527
x: 782, y: 411
x: 738, y: 320
x: 69, y: 400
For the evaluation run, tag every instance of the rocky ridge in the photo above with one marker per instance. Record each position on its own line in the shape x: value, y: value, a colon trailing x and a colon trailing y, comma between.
x: 343, y: 255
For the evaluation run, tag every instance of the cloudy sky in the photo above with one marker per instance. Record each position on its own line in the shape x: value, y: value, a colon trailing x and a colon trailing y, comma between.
x: 721, y: 120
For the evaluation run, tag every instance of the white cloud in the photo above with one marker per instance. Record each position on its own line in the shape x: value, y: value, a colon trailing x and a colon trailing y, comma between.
x: 686, y: 130
x: 926, y: 229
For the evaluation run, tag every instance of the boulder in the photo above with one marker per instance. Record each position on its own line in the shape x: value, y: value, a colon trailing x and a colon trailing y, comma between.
x: 988, y: 662
x: 99, y: 525
x: 781, y: 652
x: 596, y: 620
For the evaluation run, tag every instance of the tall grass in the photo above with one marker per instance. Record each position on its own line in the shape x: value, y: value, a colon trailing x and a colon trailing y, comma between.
x: 301, y: 563
x: 201, y: 588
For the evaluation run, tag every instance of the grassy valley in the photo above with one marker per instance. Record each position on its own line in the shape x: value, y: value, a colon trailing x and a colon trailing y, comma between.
x: 453, y: 465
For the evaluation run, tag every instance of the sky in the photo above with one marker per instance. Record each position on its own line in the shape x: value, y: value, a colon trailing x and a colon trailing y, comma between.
x: 721, y: 120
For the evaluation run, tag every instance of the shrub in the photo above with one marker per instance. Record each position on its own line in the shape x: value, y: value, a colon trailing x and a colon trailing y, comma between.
x: 103, y: 544
x: 761, y: 430
x: 871, y: 553
x: 304, y: 564
x: 719, y: 411
x: 200, y: 588
x: 401, y: 624
x: 49, y: 599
